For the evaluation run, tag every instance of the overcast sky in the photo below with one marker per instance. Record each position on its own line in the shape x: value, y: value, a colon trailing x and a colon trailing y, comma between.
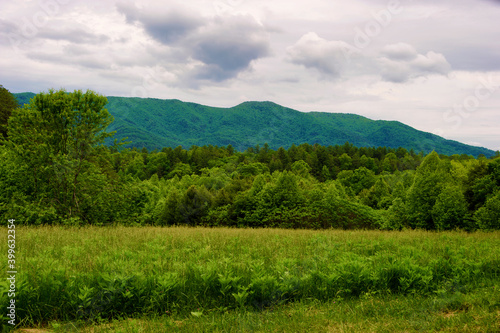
x: 433, y: 65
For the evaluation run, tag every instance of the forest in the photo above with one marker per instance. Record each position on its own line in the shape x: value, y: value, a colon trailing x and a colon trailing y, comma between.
x: 55, y: 168
x: 157, y: 123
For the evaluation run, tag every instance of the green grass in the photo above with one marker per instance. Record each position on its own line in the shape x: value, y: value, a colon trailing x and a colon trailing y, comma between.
x: 225, y: 280
x: 478, y: 311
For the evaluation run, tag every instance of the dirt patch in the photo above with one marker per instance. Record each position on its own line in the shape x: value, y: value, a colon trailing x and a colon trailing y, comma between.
x: 449, y: 314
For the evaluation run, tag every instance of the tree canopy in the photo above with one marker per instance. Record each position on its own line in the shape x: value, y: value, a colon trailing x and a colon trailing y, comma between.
x: 53, y: 140
x: 55, y: 169
x: 7, y: 103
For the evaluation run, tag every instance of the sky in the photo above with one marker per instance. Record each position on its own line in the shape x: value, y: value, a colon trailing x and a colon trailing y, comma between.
x: 433, y: 65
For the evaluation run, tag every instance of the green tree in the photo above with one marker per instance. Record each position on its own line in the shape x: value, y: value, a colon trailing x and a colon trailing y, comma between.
x: 378, y: 196
x: 158, y: 163
x: 55, y: 138
x: 488, y: 216
x: 396, y: 217
x: 194, y: 205
x: 136, y: 167
x: 325, y: 174
x: 282, y: 155
x: 357, y: 180
x: 450, y: 209
x: 170, y: 213
x: 482, y: 182
x: 264, y: 154
x: 390, y: 162
x: 345, y: 162
x: 286, y: 193
x: 429, y: 181
x: 180, y: 169
x: 301, y: 169
x: 7, y: 103
x: 343, y: 213
x: 368, y: 163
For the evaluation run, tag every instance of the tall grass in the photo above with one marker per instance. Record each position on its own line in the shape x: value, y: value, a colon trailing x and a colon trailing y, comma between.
x: 95, y: 273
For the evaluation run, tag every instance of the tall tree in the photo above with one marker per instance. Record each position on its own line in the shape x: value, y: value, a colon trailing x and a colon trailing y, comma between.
x: 7, y: 103
x: 450, y: 209
x: 55, y: 136
x: 430, y: 179
x: 488, y: 216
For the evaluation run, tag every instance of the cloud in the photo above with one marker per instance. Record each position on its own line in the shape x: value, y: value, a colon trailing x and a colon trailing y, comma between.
x: 30, y: 36
x: 7, y: 26
x: 398, y: 62
x: 87, y: 61
x: 166, y: 26
x: 482, y: 56
x: 214, y: 48
x: 328, y: 57
x: 400, y: 51
x: 401, y: 62
x: 77, y: 36
x: 227, y: 46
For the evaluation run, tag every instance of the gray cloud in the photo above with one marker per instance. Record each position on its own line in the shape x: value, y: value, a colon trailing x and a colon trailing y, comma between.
x: 217, y: 48
x: 228, y: 46
x: 164, y: 26
x: 77, y: 36
x: 477, y: 57
x: 7, y: 26
x: 400, y: 51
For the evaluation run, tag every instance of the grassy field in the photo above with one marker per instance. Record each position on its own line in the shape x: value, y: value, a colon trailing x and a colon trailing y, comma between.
x: 147, y: 279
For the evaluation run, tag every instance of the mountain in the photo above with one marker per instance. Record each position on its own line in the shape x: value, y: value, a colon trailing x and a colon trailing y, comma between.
x: 157, y: 123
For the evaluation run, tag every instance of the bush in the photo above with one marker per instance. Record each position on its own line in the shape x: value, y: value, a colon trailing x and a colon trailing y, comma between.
x: 488, y: 216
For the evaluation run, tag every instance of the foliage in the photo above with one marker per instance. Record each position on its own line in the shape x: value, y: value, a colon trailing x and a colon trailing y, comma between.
x: 430, y: 180
x: 488, y: 216
x: 450, y: 209
x: 7, y: 103
x: 53, y: 141
x: 55, y: 170
x: 448, y: 311
x: 75, y: 273
x: 155, y: 123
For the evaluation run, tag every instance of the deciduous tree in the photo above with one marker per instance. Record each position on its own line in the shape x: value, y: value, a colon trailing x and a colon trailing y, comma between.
x: 7, y: 103
x: 55, y: 137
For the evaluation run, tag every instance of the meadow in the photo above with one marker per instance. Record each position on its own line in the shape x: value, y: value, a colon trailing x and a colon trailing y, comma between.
x: 141, y: 279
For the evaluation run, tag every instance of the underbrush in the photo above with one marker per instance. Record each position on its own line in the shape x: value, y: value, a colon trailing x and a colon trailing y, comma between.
x: 94, y: 274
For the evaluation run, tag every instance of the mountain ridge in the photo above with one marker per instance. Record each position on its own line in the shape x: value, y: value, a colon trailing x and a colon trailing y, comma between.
x: 156, y: 123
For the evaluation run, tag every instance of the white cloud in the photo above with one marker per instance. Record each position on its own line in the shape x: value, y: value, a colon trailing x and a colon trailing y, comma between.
x: 400, y: 51
x: 328, y: 57
x: 401, y: 62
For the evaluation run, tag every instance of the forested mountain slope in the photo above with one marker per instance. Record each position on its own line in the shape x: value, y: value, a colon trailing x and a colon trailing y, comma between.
x: 57, y: 172
x: 157, y: 123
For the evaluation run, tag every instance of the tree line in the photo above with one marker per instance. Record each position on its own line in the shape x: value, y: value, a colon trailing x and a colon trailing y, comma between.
x: 56, y: 169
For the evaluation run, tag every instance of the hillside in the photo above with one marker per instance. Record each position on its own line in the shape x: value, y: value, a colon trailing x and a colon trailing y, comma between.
x: 157, y: 123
